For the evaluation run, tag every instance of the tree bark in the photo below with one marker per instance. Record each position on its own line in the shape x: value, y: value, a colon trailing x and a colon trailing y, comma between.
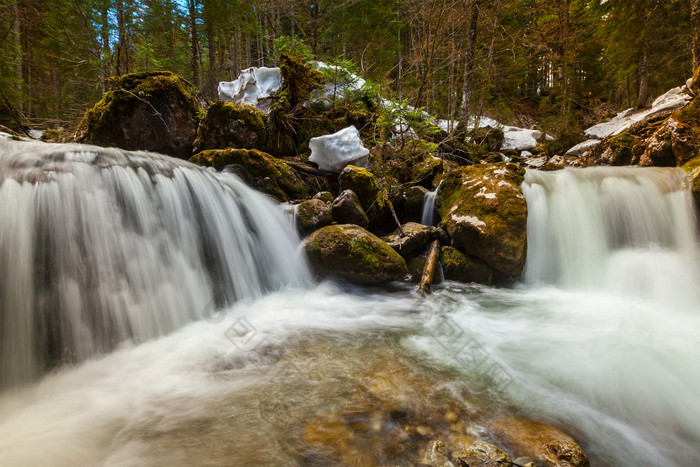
x: 104, y: 38
x: 469, y: 64
x: 643, y: 61
x: 18, y: 51
x: 194, y: 45
x: 695, y: 22
x: 313, y: 4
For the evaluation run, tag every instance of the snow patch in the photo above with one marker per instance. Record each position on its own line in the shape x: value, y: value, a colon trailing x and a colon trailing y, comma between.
x: 471, y: 220
x: 582, y: 148
x: 254, y: 86
x: 333, y: 152
x: 671, y: 100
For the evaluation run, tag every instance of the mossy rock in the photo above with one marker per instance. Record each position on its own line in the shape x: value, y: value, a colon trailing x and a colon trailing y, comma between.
x: 456, y: 266
x: 56, y: 136
x: 372, y: 194
x: 411, y: 240
x: 269, y: 175
x: 484, y: 212
x: 228, y: 125
x: 351, y: 252
x: 346, y: 209
x: 692, y: 168
x: 311, y: 215
x: 425, y: 172
x: 490, y: 139
x: 617, y: 151
x: 152, y: 111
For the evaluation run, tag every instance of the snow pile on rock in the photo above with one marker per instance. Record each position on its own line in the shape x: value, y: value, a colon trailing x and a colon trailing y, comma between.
x: 254, y: 86
x: 672, y: 100
x: 519, y: 139
x: 333, y: 152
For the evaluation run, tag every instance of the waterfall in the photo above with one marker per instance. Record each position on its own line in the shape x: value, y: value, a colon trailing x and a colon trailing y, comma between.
x: 98, y: 246
x: 628, y: 230
x: 428, y: 216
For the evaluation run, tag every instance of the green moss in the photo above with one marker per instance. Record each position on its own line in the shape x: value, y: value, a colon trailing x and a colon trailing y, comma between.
x: 621, y: 146
x: 231, y: 125
x: 270, y: 175
x: 56, y: 136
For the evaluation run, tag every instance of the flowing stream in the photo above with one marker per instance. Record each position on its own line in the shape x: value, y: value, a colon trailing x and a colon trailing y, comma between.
x: 178, y: 324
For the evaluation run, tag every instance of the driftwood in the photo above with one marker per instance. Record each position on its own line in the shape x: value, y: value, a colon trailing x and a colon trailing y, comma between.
x: 429, y: 269
x: 308, y: 169
x: 396, y: 218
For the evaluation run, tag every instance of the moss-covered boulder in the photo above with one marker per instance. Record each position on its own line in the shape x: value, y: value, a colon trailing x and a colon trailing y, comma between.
x: 692, y: 168
x: 228, y: 125
x: 326, y: 197
x: 152, y: 111
x: 346, y: 209
x: 484, y: 211
x: 311, y: 215
x: 410, y: 207
x: 456, y: 266
x: 425, y: 171
x: 351, y: 252
x: 373, y: 196
x: 262, y: 171
x: 617, y: 151
x: 491, y: 139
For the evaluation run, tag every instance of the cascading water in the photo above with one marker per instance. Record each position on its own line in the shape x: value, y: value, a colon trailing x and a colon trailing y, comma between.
x: 631, y: 231
x: 428, y: 215
x: 101, y: 245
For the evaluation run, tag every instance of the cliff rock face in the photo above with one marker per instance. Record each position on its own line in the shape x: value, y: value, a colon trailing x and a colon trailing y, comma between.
x: 152, y: 111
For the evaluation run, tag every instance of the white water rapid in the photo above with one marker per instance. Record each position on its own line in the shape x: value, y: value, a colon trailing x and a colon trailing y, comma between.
x: 101, y: 246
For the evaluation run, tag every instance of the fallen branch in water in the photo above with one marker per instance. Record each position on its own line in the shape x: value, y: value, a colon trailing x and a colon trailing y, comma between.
x: 429, y: 269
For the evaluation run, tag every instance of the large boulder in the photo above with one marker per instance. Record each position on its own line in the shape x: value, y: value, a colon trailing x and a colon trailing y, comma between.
x: 261, y: 170
x: 671, y: 145
x: 353, y: 253
x: 372, y: 195
x: 490, y: 138
x: 346, y: 209
x: 311, y: 215
x: 484, y: 211
x: 227, y: 125
x: 152, y: 111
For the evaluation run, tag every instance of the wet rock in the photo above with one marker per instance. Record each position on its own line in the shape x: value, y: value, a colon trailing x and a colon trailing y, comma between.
x: 425, y: 172
x: 547, y: 444
x: 351, y: 252
x: 671, y: 145
x: 373, y: 197
x: 411, y: 205
x: 152, y: 111
x: 692, y: 168
x: 261, y: 170
x: 616, y: 150
x: 228, y: 125
x: 414, y: 240
x: 456, y: 266
x: 484, y: 212
x: 346, y: 209
x: 325, y: 196
x: 311, y: 215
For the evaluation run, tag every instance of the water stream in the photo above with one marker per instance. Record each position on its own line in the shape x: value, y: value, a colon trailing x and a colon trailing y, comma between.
x: 601, y: 338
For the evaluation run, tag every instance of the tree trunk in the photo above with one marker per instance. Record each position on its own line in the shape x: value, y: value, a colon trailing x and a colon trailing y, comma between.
x: 695, y: 21
x: 643, y: 63
x: 469, y: 65
x: 121, y: 45
x: 18, y: 51
x: 564, y: 40
x: 211, y: 48
x: 313, y: 4
x: 429, y: 269
x: 194, y: 45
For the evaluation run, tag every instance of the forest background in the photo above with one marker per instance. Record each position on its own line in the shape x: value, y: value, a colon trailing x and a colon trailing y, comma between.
x: 558, y: 64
